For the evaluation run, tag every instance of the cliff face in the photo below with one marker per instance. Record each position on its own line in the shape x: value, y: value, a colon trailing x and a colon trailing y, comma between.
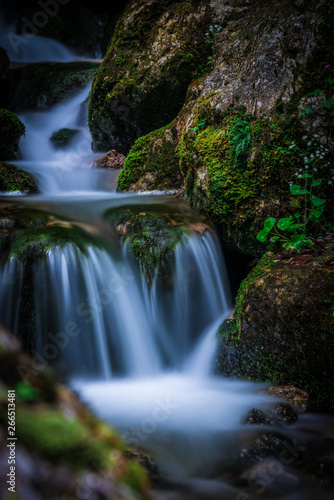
x: 260, y: 82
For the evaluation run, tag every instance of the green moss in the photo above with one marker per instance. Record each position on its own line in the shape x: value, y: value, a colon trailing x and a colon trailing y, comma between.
x: 13, y: 179
x: 31, y: 244
x: 12, y: 130
x: 155, y: 155
x: 282, y: 330
x: 238, y: 168
x: 66, y: 440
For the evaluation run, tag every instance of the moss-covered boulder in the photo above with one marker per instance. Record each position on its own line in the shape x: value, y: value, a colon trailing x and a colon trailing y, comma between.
x: 43, y: 85
x: 63, y: 137
x: 141, y: 85
x: 14, y: 179
x: 57, y: 433
x: 282, y: 329
x: 247, y: 129
x: 153, y: 232
x: 153, y: 164
x: 11, y: 130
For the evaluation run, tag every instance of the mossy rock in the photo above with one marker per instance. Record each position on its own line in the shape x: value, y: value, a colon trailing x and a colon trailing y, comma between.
x: 59, y: 433
x: 63, y: 138
x: 282, y: 329
x: 152, y: 57
x: 14, y: 179
x: 152, y: 163
x: 152, y: 237
x: 43, y: 85
x: 239, y: 167
x: 12, y: 129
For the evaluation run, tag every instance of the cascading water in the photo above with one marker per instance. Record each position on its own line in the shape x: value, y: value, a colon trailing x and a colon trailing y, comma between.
x: 140, y: 355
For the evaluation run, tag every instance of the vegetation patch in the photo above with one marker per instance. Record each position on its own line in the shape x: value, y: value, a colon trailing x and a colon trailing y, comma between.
x: 12, y: 129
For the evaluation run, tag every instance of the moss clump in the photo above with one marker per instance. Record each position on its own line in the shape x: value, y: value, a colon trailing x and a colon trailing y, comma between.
x: 53, y: 436
x: 32, y: 244
x: 152, y: 163
x: 12, y: 130
x: 152, y: 57
x: 282, y: 330
x: 14, y: 179
x: 63, y: 137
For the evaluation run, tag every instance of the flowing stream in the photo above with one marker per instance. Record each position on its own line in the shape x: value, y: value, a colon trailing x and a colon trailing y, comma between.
x: 142, y: 356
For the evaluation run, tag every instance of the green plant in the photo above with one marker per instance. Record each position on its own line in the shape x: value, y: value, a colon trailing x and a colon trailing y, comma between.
x: 241, y: 137
x: 293, y: 231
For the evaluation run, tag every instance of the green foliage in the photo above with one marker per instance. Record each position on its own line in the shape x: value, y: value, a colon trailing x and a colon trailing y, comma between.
x: 58, y: 438
x: 293, y: 232
x: 241, y: 137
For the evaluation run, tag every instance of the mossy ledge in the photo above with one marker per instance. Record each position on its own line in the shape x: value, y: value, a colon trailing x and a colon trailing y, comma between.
x: 282, y: 329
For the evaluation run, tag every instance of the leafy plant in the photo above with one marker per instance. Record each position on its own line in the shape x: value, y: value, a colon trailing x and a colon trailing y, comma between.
x: 293, y: 231
x: 241, y: 137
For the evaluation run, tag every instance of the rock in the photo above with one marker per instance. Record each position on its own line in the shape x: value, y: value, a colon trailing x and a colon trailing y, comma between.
x: 281, y: 414
x: 155, y: 51
x: 295, y: 396
x: 112, y: 159
x: 63, y: 138
x: 14, y: 179
x: 39, y: 86
x: 241, y: 123
x: 12, y: 129
x: 282, y: 331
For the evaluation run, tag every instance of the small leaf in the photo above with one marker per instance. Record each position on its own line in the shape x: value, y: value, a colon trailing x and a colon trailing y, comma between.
x: 269, y: 224
x: 296, y: 189
x: 316, y: 182
x: 284, y: 223
x: 274, y: 239
x: 262, y: 236
x: 317, y: 202
x: 297, y: 215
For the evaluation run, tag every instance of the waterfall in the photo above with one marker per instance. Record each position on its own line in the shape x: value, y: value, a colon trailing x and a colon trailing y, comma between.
x: 141, y: 355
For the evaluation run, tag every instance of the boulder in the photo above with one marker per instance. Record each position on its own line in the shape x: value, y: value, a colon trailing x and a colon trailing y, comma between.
x: 155, y: 51
x: 40, y: 86
x: 63, y: 137
x: 282, y: 328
